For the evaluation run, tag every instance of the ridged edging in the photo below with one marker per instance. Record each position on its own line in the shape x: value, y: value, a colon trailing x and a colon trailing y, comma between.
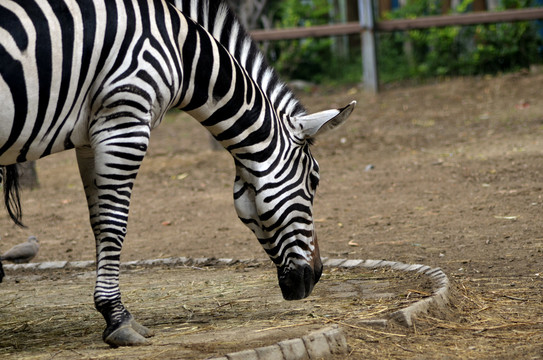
x: 316, y: 345
x: 440, y: 282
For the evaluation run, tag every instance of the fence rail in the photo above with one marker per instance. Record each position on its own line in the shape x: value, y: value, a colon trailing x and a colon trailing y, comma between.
x: 306, y: 32
x: 461, y: 19
x: 400, y: 24
x: 365, y: 27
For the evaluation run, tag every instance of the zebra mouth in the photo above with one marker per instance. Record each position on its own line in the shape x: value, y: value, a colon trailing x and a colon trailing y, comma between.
x: 298, y: 283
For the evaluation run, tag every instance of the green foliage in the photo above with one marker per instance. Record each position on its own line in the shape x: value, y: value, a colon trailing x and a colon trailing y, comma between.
x: 456, y: 50
x: 504, y: 46
x: 301, y: 59
x: 448, y: 51
x: 311, y: 59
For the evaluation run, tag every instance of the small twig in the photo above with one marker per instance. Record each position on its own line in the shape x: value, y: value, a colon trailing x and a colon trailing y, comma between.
x: 283, y: 326
x: 219, y: 305
x: 77, y: 352
x: 478, y: 331
x: 371, y: 315
x: 405, y: 349
x: 10, y: 302
x: 514, y: 298
x: 482, y: 309
x: 424, y: 293
x: 366, y: 329
x: 55, y: 354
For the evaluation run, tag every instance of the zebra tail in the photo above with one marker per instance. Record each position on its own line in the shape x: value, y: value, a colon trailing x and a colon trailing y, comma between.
x: 12, y: 199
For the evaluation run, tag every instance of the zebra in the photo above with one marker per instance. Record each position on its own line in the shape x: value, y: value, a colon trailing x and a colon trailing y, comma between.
x: 98, y: 75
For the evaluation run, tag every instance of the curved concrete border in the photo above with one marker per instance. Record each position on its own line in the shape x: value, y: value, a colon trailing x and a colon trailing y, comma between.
x: 316, y: 345
x: 440, y: 285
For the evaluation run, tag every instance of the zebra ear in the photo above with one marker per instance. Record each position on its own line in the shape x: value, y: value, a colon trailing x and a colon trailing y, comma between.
x: 318, y: 123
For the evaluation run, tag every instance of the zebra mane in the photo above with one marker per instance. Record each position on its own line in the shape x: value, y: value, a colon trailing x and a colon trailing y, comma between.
x: 221, y: 22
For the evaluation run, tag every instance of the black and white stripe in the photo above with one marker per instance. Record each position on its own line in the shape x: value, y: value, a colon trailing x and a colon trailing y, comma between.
x: 98, y: 75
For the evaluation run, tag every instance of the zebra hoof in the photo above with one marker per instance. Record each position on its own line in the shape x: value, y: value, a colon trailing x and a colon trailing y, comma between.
x: 126, y: 336
x: 140, y: 329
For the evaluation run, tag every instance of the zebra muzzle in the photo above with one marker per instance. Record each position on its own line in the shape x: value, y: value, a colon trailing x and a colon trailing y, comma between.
x: 297, y: 283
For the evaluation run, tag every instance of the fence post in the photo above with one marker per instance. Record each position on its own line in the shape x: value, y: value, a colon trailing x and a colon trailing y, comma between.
x: 369, y: 56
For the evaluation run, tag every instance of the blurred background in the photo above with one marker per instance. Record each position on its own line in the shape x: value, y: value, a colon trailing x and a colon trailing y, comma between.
x: 401, y: 55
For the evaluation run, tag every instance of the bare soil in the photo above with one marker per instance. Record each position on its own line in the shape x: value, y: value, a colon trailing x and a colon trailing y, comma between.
x: 447, y: 174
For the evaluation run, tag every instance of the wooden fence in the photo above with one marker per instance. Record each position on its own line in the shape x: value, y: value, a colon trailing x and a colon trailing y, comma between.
x: 367, y: 28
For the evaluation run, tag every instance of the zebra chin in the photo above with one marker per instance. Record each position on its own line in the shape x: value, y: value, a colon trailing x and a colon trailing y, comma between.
x: 298, y: 282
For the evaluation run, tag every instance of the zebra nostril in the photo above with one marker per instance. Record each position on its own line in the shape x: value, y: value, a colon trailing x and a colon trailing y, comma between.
x: 296, y: 283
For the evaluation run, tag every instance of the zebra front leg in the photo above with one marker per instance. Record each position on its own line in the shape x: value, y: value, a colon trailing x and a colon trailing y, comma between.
x: 108, y: 172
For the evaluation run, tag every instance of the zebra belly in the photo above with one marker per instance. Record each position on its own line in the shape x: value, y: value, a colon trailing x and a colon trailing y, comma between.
x: 25, y: 137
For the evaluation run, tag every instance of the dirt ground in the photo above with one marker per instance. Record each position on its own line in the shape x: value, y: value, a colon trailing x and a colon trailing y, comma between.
x: 447, y: 174
x: 196, y: 312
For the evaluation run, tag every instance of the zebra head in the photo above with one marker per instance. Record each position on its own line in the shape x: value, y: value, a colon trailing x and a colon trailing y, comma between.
x: 275, y: 200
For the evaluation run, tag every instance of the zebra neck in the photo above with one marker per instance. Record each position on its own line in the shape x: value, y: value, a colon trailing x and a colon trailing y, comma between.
x: 223, y: 26
x: 219, y: 92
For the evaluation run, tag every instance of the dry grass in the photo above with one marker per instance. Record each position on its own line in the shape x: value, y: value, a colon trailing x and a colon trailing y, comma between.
x: 196, y: 312
x: 502, y: 323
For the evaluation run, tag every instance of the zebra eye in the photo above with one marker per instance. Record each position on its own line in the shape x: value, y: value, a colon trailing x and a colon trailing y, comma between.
x: 314, y: 181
